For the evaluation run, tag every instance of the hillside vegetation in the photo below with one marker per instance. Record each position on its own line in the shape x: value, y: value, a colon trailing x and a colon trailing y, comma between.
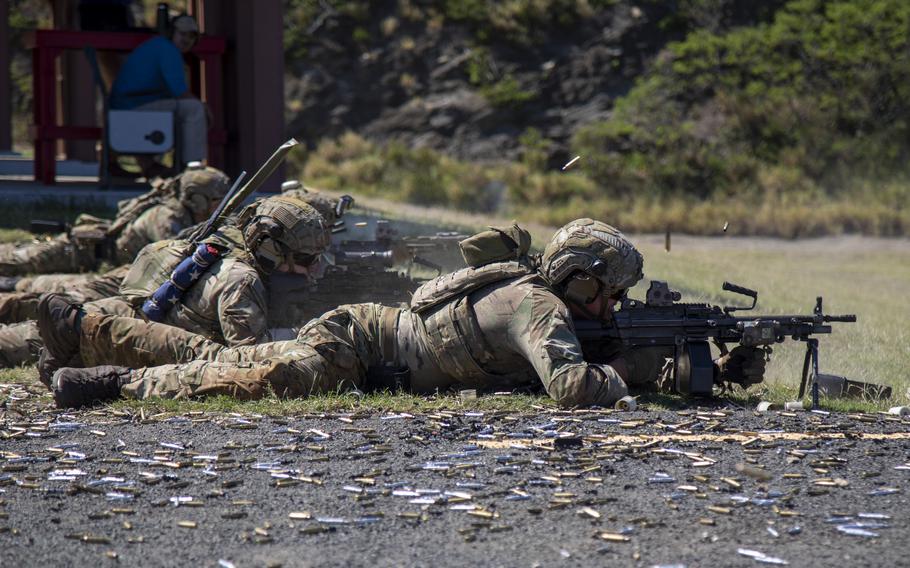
x: 788, y: 120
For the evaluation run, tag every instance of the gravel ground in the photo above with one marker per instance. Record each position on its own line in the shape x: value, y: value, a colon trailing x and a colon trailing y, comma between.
x: 701, y: 487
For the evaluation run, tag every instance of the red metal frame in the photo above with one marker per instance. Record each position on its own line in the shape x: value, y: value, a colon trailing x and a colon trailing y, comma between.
x: 47, y: 45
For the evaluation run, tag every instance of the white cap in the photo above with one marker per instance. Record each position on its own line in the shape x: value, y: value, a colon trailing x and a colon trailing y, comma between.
x: 194, y: 166
x: 185, y: 23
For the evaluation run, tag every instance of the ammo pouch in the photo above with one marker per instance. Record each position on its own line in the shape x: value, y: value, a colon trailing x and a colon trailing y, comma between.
x: 456, y: 342
x: 498, y: 244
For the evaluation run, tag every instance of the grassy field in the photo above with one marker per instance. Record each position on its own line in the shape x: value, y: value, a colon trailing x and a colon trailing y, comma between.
x: 866, y: 276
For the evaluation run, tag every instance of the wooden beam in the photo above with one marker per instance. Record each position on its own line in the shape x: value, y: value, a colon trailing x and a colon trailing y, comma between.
x: 6, y: 86
x: 253, y: 80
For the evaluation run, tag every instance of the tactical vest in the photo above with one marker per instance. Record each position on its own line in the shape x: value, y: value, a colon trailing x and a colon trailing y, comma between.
x: 155, y: 263
x: 129, y: 210
x: 452, y: 334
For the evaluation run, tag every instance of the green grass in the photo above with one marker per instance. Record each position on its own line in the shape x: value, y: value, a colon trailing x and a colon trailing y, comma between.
x: 14, y: 235
x: 386, y: 402
x: 524, y: 190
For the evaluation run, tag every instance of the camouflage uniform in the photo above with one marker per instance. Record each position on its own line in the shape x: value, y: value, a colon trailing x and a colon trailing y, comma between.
x: 498, y: 325
x: 157, y: 215
x: 520, y: 334
x: 20, y: 344
x: 21, y: 305
x: 495, y: 325
x: 228, y: 302
x: 172, y: 206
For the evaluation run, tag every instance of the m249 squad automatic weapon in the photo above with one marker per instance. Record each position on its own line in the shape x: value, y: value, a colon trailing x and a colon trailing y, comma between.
x: 662, y: 321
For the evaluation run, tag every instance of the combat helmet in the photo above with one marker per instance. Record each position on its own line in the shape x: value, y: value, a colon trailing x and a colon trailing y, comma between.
x: 200, y: 188
x: 587, y: 258
x: 329, y: 207
x: 283, y: 229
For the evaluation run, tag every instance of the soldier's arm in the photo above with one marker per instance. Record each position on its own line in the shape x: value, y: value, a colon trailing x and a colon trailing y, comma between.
x: 645, y: 363
x: 156, y: 224
x: 243, y: 310
x: 542, y: 331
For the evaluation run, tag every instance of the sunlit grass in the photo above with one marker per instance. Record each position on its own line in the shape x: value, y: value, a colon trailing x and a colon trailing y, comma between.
x: 15, y: 235
x: 19, y: 375
x: 387, y: 402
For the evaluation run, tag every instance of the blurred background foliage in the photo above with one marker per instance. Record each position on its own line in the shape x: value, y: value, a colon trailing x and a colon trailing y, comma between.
x: 794, y: 126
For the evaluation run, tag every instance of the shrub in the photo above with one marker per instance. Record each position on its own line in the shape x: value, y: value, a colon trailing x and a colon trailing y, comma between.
x: 821, y: 91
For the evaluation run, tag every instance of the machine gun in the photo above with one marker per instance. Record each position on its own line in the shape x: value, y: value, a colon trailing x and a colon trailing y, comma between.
x: 662, y: 321
x: 386, y: 248
x: 371, y: 266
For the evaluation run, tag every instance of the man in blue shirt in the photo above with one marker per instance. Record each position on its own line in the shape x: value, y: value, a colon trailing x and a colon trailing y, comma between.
x: 152, y: 78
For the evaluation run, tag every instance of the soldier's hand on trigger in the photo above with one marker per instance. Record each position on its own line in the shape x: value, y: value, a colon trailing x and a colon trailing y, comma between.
x: 743, y: 365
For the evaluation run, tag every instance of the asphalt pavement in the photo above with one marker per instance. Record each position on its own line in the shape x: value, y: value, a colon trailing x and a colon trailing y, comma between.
x: 710, y: 486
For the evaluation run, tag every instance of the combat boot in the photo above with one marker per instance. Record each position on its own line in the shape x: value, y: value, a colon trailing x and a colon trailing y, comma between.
x: 75, y: 388
x: 59, y: 322
x: 47, y: 365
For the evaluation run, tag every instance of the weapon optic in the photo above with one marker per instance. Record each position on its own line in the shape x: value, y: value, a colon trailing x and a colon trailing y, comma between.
x: 688, y: 327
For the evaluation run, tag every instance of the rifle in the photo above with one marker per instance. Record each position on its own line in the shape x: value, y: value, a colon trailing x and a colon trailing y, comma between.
x: 661, y: 320
x: 235, y: 197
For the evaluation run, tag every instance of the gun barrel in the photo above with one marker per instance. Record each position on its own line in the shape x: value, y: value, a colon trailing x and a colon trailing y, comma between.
x: 844, y: 318
x: 383, y: 257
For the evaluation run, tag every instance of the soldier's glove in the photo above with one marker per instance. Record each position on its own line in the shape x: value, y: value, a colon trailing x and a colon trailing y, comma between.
x: 743, y: 365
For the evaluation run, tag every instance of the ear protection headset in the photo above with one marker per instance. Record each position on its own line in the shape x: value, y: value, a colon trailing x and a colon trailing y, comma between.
x: 199, y: 203
x: 583, y: 287
x: 269, y: 251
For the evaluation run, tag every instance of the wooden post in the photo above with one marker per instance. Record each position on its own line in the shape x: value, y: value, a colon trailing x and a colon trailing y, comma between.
x: 253, y: 80
x: 6, y: 86
x: 77, y: 100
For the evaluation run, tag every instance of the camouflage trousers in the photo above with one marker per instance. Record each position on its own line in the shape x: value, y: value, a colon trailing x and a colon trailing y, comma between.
x: 20, y: 343
x: 332, y: 353
x: 59, y: 254
x: 22, y: 304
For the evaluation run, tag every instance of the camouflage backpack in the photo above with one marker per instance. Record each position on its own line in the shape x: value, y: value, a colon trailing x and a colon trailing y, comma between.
x: 129, y: 210
x: 498, y: 244
x: 499, y: 253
